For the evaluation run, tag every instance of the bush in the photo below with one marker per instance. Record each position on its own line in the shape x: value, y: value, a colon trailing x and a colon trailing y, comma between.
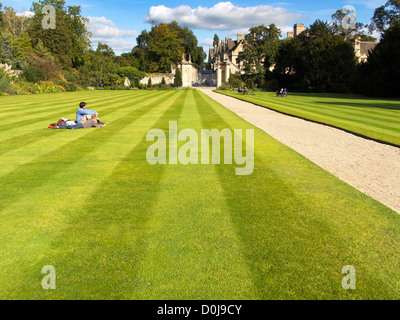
x: 69, y: 76
x: 68, y: 86
x: 5, y: 85
x: 34, y: 75
x: 178, y: 78
x: 225, y: 86
x: 235, y: 81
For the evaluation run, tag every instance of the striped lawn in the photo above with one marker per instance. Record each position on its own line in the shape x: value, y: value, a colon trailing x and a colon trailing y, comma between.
x: 114, y: 227
x: 374, y: 118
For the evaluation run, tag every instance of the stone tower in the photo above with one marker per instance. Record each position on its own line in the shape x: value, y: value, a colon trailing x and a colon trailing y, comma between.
x: 299, y: 28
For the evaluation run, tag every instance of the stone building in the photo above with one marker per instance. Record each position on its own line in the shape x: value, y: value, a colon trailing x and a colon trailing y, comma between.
x: 223, y: 62
x: 223, y: 59
x: 188, y: 71
x: 297, y: 29
x: 362, y: 49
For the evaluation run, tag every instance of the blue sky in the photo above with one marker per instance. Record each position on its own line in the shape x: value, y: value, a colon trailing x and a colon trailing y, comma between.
x: 118, y: 22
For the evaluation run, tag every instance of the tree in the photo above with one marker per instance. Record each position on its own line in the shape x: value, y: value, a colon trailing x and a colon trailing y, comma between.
x: 164, y: 46
x: 69, y: 41
x: 190, y: 44
x: 259, y: 50
x: 131, y: 73
x: 385, y: 16
x: 178, y: 78
x: 321, y: 61
x: 347, y: 33
x: 216, y: 40
x: 378, y: 76
x: 100, y: 68
x: 15, y: 40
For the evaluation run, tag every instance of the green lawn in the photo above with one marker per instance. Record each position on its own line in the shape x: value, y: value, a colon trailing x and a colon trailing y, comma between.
x: 374, y: 118
x: 114, y: 227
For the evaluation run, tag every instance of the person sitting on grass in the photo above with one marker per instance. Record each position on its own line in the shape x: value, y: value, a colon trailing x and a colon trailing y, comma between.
x: 84, y: 115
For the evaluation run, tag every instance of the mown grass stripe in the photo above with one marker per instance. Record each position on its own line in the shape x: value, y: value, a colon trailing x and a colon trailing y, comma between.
x: 334, y: 110
x: 23, y: 177
x: 355, y: 121
x: 15, y: 139
x: 305, y: 223
x: 49, y: 116
x: 33, y: 100
x: 374, y: 119
x: 55, y: 106
x: 367, y: 129
x: 114, y: 220
x: 17, y: 106
x: 193, y: 246
x: 363, y: 105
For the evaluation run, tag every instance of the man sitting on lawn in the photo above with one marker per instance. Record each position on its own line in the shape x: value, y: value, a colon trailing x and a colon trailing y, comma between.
x: 84, y: 115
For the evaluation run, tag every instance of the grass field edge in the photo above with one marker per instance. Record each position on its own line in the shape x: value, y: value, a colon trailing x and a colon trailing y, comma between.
x: 358, y: 134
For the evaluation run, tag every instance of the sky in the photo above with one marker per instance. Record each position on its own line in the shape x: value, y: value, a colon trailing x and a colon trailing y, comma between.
x: 119, y: 22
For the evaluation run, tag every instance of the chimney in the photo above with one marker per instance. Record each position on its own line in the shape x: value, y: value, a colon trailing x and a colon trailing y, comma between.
x: 239, y: 36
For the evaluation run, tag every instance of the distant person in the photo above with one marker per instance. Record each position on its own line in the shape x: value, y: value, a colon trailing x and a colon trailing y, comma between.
x: 84, y: 115
x: 245, y: 90
x: 285, y: 93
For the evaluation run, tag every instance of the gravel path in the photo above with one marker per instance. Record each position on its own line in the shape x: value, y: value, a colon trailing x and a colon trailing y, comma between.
x: 371, y: 167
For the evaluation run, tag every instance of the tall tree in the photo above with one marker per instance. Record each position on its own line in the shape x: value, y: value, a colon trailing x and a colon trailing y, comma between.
x: 216, y: 40
x: 259, y: 50
x: 100, y: 68
x: 15, y: 36
x: 158, y: 49
x: 320, y: 61
x: 69, y: 40
x: 385, y: 16
x: 190, y: 44
x: 379, y: 75
x: 347, y: 33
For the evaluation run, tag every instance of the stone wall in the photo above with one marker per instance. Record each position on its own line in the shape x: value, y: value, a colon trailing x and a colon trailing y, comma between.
x: 156, y: 78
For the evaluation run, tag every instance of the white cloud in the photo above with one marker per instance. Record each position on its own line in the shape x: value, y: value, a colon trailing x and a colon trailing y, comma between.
x: 27, y: 14
x: 118, y: 45
x: 206, y: 42
x: 104, y: 30
x: 223, y: 16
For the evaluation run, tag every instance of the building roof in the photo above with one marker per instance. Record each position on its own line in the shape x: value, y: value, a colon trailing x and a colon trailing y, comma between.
x: 367, y: 46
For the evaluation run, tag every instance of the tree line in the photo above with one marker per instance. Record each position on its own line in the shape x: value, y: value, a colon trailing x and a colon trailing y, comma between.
x: 63, y: 59
x: 322, y: 59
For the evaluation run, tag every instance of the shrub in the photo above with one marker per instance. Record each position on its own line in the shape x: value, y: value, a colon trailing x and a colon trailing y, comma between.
x: 69, y: 76
x: 235, y: 81
x: 68, y: 86
x: 5, y: 85
x: 225, y: 86
x: 178, y: 78
x: 34, y: 75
